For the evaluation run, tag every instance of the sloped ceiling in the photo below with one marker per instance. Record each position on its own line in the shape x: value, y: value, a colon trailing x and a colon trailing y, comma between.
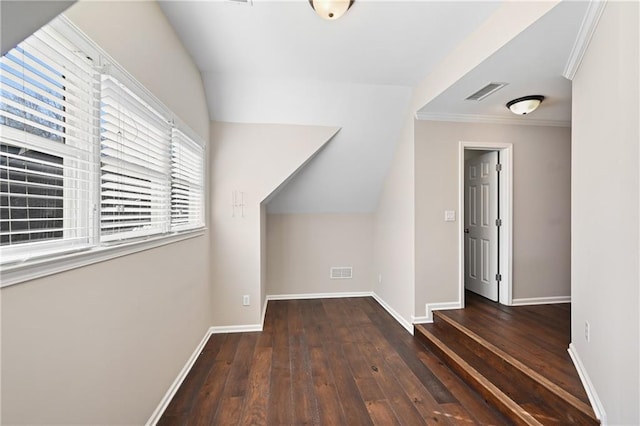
x: 278, y: 62
x: 19, y: 19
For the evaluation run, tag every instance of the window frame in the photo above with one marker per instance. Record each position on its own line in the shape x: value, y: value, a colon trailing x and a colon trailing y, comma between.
x: 60, y: 256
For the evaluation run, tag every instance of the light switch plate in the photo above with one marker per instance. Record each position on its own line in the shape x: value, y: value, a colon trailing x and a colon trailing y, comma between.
x: 449, y: 215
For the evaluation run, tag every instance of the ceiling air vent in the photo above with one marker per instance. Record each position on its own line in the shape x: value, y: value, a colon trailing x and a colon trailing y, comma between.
x: 486, y: 91
x: 246, y: 2
x: 341, y: 273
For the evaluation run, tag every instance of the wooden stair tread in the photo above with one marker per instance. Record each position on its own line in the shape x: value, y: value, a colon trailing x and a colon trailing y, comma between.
x: 488, y: 369
x: 551, y: 360
x: 543, y: 381
x: 488, y: 390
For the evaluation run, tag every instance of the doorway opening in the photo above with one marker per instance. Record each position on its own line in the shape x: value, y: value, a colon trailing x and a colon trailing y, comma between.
x: 485, y: 234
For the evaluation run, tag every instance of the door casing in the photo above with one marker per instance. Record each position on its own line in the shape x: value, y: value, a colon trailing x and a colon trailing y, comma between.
x: 506, y: 214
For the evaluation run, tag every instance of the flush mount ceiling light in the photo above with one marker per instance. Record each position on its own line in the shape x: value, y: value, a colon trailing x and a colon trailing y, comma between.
x: 330, y: 9
x: 525, y: 105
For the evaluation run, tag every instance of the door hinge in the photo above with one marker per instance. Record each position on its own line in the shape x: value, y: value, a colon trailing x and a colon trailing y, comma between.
x: 498, y: 222
x: 498, y: 167
x: 498, y: 277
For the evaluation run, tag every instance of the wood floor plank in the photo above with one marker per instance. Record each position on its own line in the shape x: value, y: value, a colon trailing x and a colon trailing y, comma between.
x: 236, y: 384
x: 403, y: 407
x: 256, y: 400
x: 280, y: 393
x: 181, y: 405
x: 329, y: 407
x: 381, y: 413
x: 229, y: 411
x: 320, y: 362
x: 305, y: 403
x: 348, y: 392
x: 206, y: 402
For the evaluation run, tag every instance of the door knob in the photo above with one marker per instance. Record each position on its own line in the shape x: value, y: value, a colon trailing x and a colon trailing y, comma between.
x: 466, y: 230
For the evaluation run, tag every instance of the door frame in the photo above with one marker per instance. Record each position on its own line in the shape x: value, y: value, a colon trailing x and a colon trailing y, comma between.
x: 505, y: 187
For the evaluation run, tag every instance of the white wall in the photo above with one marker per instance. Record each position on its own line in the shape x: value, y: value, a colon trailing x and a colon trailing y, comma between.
x: 102, y: 344
x: 605, y: 212
x: 541, y: 208
x: 254, y: 159
x: 303, y: 247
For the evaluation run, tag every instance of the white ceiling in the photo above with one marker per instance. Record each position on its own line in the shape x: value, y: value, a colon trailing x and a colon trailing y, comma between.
x: 532, y: 64
x: 278, y: 62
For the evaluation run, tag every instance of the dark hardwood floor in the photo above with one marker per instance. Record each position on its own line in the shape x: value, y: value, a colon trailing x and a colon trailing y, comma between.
x: 328, y: 362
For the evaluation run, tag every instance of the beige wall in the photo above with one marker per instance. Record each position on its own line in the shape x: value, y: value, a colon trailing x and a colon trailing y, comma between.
x: 102, y: 344
x: 303, y: 247
x: 393, y: 243
x: 238, y: 163
x: 605, y: 197
x: 394, y: 223
x: 541, y: 208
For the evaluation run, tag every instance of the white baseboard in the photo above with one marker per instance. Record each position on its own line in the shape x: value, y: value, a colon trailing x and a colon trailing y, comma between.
x: 236, y: 328
x: 164, y: 402
x: 421, y: 320
x: 318, y: 295
x: 403, y: 322
x: 430, y: 307
x: 588, y: 386
x: 540, y: 300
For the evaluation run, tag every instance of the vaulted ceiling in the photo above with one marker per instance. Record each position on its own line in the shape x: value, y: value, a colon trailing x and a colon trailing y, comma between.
x: 278, y: 62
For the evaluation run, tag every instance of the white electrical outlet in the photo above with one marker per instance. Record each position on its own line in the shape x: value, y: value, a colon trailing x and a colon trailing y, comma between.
x: 380, y: 278
x: 587, y: 331
x: 245, y: 300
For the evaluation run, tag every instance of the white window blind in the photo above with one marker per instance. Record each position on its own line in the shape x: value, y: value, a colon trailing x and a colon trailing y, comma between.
x: 187, y: 182
x: 135, y: 169
x: 48, y: 95
x: 89, y: 158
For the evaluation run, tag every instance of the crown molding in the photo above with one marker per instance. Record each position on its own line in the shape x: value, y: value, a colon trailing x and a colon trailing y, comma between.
x: 490, y: 119
x: 587, y: 28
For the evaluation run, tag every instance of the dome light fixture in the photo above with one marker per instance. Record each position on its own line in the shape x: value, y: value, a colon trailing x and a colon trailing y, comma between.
x: 525, y: 105
x: 330, y: 9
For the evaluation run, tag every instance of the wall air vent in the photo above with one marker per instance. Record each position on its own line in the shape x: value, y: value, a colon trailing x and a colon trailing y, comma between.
x: 341, y: 273
x: 486, y: 91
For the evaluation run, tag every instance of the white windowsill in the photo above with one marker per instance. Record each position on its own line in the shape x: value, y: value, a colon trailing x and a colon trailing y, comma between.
x: 38, y: 268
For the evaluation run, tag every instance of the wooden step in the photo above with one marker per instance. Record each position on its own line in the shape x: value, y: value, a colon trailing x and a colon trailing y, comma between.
x: 517, y: 391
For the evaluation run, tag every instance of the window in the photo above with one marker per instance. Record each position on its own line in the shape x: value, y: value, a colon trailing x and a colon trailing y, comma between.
x: 89, y: 159
x: 47, y: 110
x: 187, y: 190
x: 134, y: 165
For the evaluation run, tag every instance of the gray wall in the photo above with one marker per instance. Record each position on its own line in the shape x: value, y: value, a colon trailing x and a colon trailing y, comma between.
x: 541, y: 207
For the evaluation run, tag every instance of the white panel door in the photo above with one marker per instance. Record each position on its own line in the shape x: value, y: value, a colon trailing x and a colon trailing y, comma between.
x: 480, y: 227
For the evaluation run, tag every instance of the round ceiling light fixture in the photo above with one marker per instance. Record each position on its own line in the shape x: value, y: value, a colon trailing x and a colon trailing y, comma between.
x: 330, y: 9
x: 525, y: 105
